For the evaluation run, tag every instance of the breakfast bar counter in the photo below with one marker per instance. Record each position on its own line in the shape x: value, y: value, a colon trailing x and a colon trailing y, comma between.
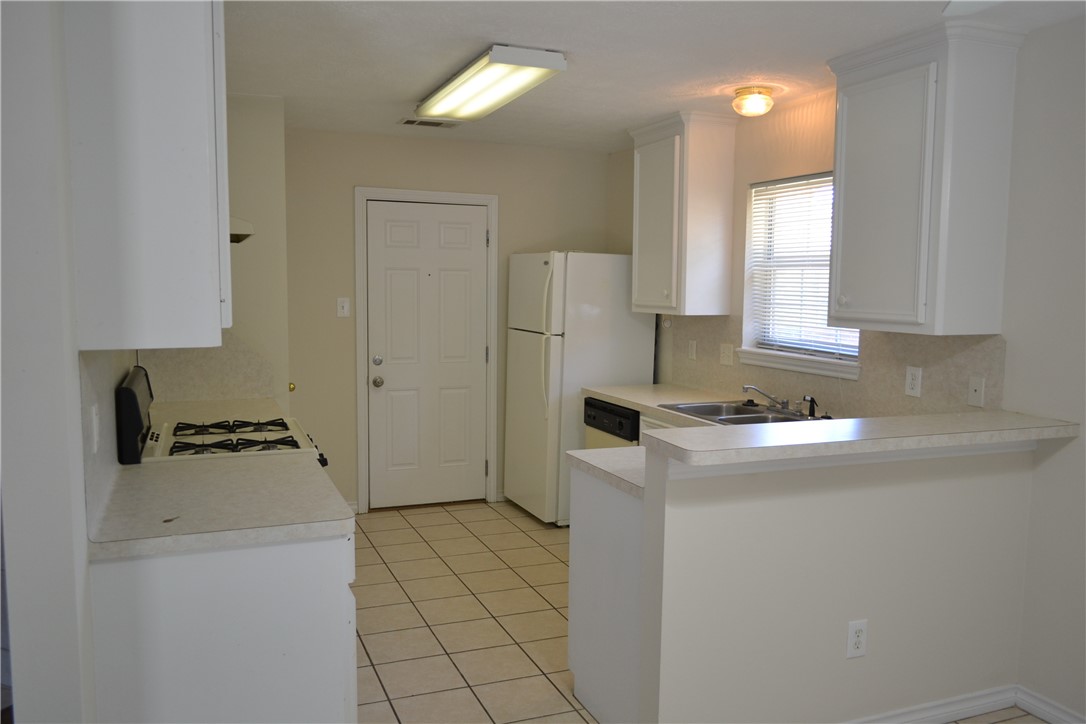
x: 716, y: 570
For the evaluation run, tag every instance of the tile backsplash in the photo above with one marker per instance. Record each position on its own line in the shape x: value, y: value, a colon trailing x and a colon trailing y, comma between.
x: 234, y: 371
x: 947, y: 363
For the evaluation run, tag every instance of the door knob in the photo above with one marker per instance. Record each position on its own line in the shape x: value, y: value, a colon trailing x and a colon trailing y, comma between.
x: 378, y: 381
x: 378, y: 360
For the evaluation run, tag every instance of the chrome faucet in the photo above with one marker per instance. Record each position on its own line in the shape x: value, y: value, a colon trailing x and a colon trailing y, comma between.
x: 783, y: 404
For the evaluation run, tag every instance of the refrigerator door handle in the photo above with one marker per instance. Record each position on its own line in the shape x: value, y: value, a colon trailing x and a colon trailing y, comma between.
x: 545, y: 354
x: 546, y: 321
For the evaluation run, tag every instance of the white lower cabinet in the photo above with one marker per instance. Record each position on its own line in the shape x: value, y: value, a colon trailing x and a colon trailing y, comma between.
x: 146, y: 98
x: 606, y: 631
x: 249, y: 634
x: 921, y: 181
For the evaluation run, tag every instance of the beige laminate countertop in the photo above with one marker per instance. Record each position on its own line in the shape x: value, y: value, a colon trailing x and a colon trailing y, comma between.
x: 646, y: 398
x: 190, y: 504
x: 710, y: 444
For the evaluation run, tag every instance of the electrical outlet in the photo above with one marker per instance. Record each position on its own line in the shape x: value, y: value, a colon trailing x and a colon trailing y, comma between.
x: 976, y: 391
x: 692, y: 349
x: 857, y: 639
x: 727, y: 353
x: 912, y: 381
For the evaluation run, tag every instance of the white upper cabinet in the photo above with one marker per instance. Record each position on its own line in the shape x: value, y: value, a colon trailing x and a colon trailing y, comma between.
x: 922, y: 176
x: 683, y: 169
x: 145, y: 86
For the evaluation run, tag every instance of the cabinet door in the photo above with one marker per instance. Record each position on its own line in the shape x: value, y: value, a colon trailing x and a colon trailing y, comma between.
x: 656, y: 225
x: 146, y: 105
x: 882, y: 196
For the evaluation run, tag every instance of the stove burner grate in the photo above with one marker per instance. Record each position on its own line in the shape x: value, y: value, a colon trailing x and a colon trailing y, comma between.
x: 279, y: 443
x: 276, y: 425
x: 181, y: 447
x: 187, y: 429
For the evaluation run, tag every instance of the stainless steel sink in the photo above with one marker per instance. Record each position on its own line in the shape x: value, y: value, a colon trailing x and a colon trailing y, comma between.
x: 733, y: 412
x: 756, y: 419
x: 715, y: 409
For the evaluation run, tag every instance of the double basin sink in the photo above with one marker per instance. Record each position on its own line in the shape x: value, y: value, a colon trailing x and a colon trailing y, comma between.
x: 734, y: 412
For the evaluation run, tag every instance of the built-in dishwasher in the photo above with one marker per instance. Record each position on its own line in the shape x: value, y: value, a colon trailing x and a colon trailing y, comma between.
x: 609, y: 425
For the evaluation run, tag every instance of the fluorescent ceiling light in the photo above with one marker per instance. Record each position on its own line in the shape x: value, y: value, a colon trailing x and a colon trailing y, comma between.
x: 498, y: 76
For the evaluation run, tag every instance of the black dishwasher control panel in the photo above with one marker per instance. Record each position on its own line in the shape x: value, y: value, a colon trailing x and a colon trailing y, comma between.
x: 615, y: 420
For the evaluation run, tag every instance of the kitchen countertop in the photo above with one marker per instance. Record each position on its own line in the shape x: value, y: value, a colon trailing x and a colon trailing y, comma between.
x: 172, y: 506
x: 620, y: 467
x: 910, y: 436
x: 645, y: 398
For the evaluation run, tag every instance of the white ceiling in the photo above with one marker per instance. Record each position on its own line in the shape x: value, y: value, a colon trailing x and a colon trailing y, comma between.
x: 363, y: 66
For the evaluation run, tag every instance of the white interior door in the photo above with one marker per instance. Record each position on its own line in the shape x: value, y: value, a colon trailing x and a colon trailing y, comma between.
x: 426, y: 290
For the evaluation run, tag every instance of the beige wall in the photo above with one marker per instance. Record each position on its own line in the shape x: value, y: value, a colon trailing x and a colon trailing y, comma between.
x: 1044, y: 321
x: 252, y: 361
x: 930, y: 552
x: 547, y: 199
x: 620, y: 202
x: 796, y: 141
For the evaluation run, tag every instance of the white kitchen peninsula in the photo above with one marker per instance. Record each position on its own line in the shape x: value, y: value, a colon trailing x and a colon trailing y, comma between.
x: 220, y: 589
x: 714, y: 572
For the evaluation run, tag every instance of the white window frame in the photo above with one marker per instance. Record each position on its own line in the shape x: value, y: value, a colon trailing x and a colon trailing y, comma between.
x: 812, y: 362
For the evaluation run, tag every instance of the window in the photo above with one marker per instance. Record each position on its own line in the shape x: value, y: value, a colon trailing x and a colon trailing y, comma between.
x: 787, y: 281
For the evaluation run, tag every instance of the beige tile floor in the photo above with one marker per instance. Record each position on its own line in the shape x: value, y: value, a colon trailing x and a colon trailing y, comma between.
x: 1010, y: 715
x: 462, y: 618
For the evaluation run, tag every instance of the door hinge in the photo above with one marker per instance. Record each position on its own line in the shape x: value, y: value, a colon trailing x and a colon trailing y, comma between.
x: 488, y: 238
x: 486, y: 468
x: 488, y: 354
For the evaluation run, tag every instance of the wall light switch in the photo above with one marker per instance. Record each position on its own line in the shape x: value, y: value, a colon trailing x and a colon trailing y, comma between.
x: 343, y: 307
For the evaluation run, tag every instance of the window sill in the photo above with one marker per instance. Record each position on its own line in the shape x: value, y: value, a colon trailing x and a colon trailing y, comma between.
x: 800, y: 363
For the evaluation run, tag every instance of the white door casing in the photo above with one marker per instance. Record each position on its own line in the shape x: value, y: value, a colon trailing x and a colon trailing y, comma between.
x: 425, y: 286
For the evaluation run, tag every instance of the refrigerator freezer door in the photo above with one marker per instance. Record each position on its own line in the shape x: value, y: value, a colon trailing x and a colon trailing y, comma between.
x: 532, y: 416
x: 537, y: 292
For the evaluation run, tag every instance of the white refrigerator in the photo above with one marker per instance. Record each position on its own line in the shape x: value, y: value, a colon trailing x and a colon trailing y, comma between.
x: 569, y: 326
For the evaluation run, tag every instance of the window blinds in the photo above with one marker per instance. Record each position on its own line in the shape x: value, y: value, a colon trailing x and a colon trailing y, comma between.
x: 788, y: 269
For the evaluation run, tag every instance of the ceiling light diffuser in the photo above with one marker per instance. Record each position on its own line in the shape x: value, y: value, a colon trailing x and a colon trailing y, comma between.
x: 496, y: 77
x: 753, y: 101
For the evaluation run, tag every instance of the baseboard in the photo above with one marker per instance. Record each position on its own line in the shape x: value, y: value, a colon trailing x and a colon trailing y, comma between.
x: 1046, y: 709
x: 948, y: 710
x: 981, y: 702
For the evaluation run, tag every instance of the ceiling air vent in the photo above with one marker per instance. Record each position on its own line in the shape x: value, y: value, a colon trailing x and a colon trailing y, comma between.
x: 428, y: 123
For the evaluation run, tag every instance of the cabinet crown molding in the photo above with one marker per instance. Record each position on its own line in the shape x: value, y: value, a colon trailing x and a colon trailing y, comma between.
x: 668, y: 126
x: 950, y: 31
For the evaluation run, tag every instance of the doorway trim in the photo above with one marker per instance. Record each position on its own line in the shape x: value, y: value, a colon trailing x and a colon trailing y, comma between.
x: 362, y: 195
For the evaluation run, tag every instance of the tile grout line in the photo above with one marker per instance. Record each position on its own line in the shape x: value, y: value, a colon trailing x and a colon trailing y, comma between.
x: 490, y: 615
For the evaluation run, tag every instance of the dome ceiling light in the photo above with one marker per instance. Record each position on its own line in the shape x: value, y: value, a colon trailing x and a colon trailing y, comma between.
x: 752, y: 101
